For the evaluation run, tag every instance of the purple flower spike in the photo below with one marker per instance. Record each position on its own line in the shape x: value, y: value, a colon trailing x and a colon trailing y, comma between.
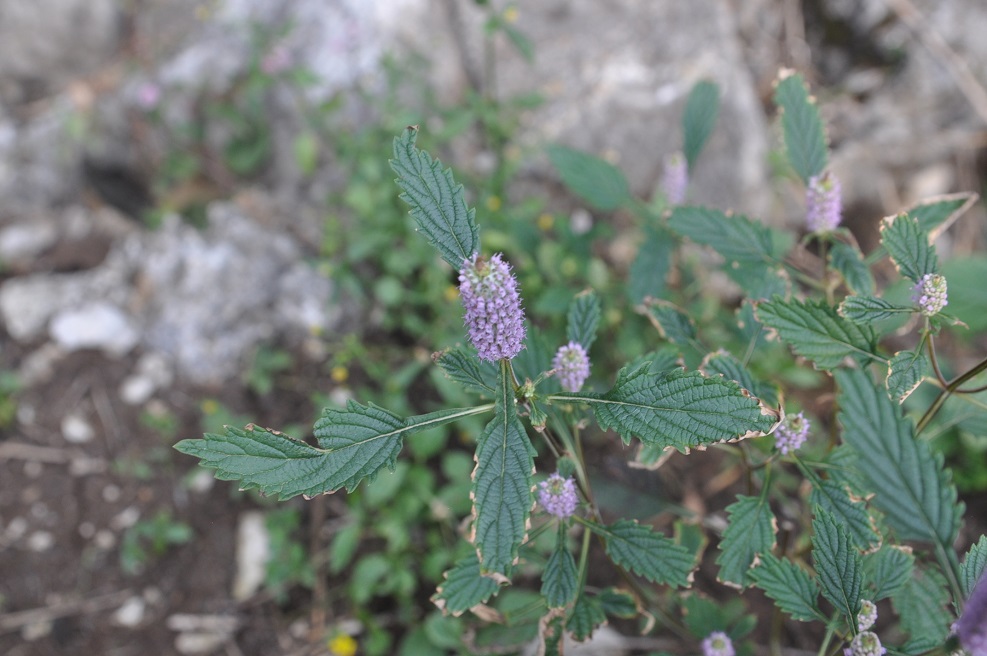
x: 558, y: 496
x: 823, y: 202
x: 971, y: 628
x: 675, y: 178
x: 718, y: 643
x: 494, y: 317
x: 930, y: 294
x: 792, y: 433
x: 865, y: 644
x: 571, y: 365
x: 867, y: 615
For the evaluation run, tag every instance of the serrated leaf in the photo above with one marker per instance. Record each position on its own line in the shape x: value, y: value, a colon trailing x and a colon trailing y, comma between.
x: 935, y: 215
x: 791, y: 587
x: 815, y: 331
x: 905, y: 372
x: 805, y: 135
x: 583, y: 319
x: 502, y: 482
x: 646, y: 276
x: 587, y: 614
x: 910, y: 484
x: 467, y: 369
x: 560, y: 580
x: 598, y: 182
x: 759, y: 280
x: 724, y: 364
x: 886, y: 570
x: 921, y: 606
x: 702, y: 616
x: 677, y: 408
x: 536, y: 356
x: 464, y: 587
x: 868, y: 309
x: 833, y: 497
x: 438, y: 203
x: 837, y: 564
x: 356, y: 443
x: 734, y: 236
x: 908, y: 246
x: 648, y: 554
x: 849, y: 262
x: 551, y: 634
x: 671, y: 322
x: 617, y: 603
x: 699, y: 119
x: 751, y: 531
x: 973, y: 565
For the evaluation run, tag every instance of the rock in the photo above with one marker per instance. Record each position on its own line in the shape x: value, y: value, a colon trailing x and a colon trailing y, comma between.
x: 131, y: 613
x: 252, y: 554
x: 97, y: 325
x: 40, y: 541
x: 153, y: 372
x: 21, y: 242
x: 76, y: 429
x: 125, y: 518
x: 191, y: 644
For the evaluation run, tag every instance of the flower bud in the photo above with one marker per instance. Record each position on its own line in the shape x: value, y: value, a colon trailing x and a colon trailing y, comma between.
x: 675, y: 178
x: 790, y: 435
x: 867, y: 615
x: 571, y: 365
x: 930, y: 294
x: 558, y: 496
x: 823, y: 203
x: 865, y: 644
x: 494, y: 318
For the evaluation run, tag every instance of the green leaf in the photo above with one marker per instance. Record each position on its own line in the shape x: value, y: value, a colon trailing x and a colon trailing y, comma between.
x: 837, y: 563
x: 724, y: 364
x: 734, y: 236
x: 973, y: 564
x: 909, y: 247
x: 702, y: 616
x: 677, y: 408
x: 905, y: 372
x: 699, y: 118
x: 587, y: 614
x: 583, y: 319
x: 886, y: 570
x: 751, y: 531
x: 833, y: 497
x: 868, y: 309
x: 646, y: 553
x: 672, y: 323
x: 815, y: 331
x: 967, y: 291
x: 759, y: 280
x: 646, y: 277
x: 935, y: 215
x: 502, y: 482
x: 921, y: 605
x: 849, y: 262
x: 437, y: 201
x: 356, y: 443
x: 910, y: 484
x: 467, y: 369
x: 617, y: 603
x: 791, y: 587
x: 805, y: 136
x: 464, y: 587
x: 560, y: 580
x: 598, y: 182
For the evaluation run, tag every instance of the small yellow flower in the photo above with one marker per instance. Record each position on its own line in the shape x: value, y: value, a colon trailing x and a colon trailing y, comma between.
x: 545, y: 221
x: 493, y: 203
x: 339, y: 374
x: 510, y: 15
x: 209, y: 407
x: 342, y: 645
x: 451, y: 293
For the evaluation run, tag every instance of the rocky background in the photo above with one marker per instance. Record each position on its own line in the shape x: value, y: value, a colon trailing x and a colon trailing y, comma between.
x: 106, y: 322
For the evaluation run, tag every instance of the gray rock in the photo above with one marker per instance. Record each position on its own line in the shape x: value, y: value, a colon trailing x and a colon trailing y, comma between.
x: 95, y: 325
x: 21, y: 242
x: 76, y: 429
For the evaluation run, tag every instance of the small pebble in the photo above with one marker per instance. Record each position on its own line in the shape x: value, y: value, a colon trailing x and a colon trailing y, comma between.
x: 16, y: 528
x: 87, y: 530
x: 126, y: 518
x: 40, y: 541
x: 111, y: 493
x: 35, y: 631
x: 105, y: 539
x: 131, y: 613
x: 33, y: 469
x: 76, y: 429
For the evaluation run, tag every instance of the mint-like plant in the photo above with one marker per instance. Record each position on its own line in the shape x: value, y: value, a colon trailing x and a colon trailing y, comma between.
x: 880, y: 517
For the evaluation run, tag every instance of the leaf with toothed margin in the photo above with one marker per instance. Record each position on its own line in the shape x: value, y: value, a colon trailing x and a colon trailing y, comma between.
x: 726, y: 365
x: 438, y: 202
x: 935, y: 215
x: 886, y: 570
x: 587, y: 614
x: 676, y: 408
x: 464, y: 587
x: 502, y: 482
x: 699, y: 119
x: 583, y: 319
x: 468, y: 370
x: 751, y: 532
x: 905, y: 372
x: 671, y: 322
x: 837, y: 562
x: 647, y: 553
x: 868, y: 309
x: 974, y: 564
x: 909, y: 247
x: 852, y: 513
x: 805, y: 135
x: 560, y: 579
x: 597, y: 181
x: 849, y: 262
x: 792, y: 588
x: 354, y: 444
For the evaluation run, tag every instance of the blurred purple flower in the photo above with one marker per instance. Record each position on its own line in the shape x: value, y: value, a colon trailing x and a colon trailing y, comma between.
x: 718, y: 643
x: 930, y: 294
x: 558, y: 496
x: 675, y: 178
x: 571, y: 365
x: 277, y: 60
x: 494, y: 318
x: 971, y: 628
x: 791, y: 434
x: 148, y: 96
x: 865, y: 644
x: 824, y: 204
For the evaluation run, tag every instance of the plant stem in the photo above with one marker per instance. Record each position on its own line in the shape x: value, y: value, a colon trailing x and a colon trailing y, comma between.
x: 945, y: 394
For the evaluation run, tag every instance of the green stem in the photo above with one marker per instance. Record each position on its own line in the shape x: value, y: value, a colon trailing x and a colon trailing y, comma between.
x: 947, y: 392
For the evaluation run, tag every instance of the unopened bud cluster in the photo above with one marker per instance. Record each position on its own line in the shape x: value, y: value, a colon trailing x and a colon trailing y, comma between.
x: 675, y: 178
x: 558, y: 496
x: 494, y: 318
x: 930, y: 294
x: 867, y: 615
x: 571, y: 365
x: 792, y: 433
x: 718, y: 643
x: 865, y: 644
x: 823, y: 203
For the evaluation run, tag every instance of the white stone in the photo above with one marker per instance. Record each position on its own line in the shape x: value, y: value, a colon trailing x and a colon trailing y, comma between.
x: 190, y: 644
x: 76, y: 429
x: 201, y: 481
x: 16, y: 529
x: 111, y: 493
x: 36, y: 631
x: 126, y: 518
x: 252, y: 554
x: 22, y: 241
x: 87, y: 530
x: 98, y: 325
x: 136, y: 389
x: 131, y: 613
x: 105, y: 539
x: 40, y: 541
